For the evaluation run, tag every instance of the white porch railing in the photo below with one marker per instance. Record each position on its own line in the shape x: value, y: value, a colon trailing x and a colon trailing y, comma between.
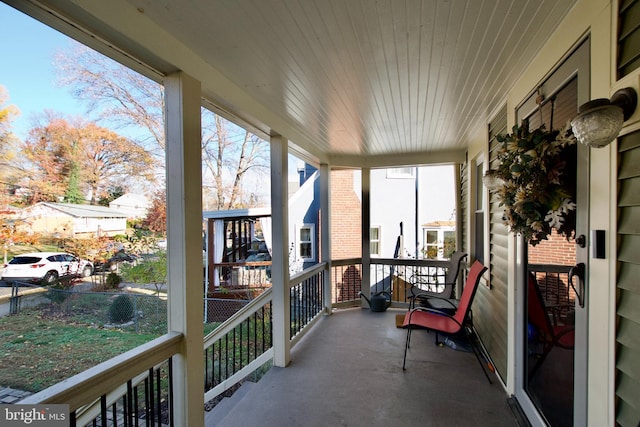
x: 130, y: 386
x: 239, y: 346
x: 244, y: 342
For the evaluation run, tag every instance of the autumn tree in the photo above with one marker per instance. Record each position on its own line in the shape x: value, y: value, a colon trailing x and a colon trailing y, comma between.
x: 127, y: 99
x: 156, y: 219
x: 70, y: 159
x: 112, y: 193
x: 9, y: 174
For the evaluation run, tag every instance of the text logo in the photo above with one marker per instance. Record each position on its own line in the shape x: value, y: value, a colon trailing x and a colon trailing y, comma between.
x: 34, y: 415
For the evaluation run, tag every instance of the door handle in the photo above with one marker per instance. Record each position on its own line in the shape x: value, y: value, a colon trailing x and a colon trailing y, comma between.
x: 578, y: 271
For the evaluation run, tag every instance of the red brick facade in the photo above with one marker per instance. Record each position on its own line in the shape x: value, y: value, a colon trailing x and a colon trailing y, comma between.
x: 346, y: 243
x: 554, y: 286
x: 556, y: 250
x: 345, y: 217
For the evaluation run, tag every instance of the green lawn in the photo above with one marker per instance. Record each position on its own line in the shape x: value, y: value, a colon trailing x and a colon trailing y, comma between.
x: 39, y: 351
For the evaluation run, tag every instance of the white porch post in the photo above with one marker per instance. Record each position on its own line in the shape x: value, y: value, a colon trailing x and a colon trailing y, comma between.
x: 366, y: 235
x: 280, y: 257
x: 184, y: 243
x: 325, y: 231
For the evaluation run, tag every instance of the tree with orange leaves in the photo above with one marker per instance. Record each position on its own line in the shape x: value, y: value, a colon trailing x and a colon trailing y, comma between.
x: 74, y: 157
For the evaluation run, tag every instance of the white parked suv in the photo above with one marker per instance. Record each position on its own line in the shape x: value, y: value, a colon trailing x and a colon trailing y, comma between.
x: 45, y: 267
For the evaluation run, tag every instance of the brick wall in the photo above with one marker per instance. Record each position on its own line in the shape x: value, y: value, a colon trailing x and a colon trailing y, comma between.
x: 345, y: 216
x: 554, y: 287
x: 556, y: 250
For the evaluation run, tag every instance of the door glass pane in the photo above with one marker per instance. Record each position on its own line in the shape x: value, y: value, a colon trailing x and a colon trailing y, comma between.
x: 550, y: 301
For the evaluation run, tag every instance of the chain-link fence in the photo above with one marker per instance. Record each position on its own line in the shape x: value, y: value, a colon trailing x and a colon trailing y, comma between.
x: 134, y: 312
x: 128, y: 311
x: 218, y: 310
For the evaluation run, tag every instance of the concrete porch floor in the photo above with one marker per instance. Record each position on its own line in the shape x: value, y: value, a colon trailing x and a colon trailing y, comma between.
x: 348, y: 372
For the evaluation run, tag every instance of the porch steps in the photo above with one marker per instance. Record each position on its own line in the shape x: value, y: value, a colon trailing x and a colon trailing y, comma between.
x: 217, y: 414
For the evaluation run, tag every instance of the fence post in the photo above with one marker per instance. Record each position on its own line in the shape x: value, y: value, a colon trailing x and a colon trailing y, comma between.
x: 14, y: 301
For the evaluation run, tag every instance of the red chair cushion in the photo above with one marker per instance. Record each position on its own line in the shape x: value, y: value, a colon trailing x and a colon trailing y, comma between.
x: 428, y: 320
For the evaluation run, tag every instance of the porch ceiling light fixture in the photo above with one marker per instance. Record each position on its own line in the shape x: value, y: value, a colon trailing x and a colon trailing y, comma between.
x: 599, y: 121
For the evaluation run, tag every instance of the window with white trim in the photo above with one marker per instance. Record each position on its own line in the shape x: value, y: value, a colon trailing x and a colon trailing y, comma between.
x: 305, y: 242
x: 400, y: 173
x: 374, y: 240
x: 479, y: 212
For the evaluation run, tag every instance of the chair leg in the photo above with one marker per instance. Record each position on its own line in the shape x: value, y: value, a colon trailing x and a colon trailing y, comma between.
x: 406, y: 347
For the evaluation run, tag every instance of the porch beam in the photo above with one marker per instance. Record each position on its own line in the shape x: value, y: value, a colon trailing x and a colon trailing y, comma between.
x: 184, y: 242
x: 280, y: 256
x: 325, y: 231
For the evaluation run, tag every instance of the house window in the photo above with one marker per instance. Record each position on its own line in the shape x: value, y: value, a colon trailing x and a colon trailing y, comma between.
x: 448, y: 244
x: 305, y: 247
x: 400, y: 173
x: 439, y: 241
x: 374, y: 240
x: 479, y: 213
x: 431, y: 244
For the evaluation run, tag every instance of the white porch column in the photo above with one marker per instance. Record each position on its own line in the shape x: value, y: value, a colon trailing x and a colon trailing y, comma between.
x: 325, y: 231
x: 184, y: 243
x: 280, y: 256
x: 366, y: 235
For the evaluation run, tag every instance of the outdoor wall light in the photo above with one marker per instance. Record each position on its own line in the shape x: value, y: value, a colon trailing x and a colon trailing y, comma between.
x: 599, y: 121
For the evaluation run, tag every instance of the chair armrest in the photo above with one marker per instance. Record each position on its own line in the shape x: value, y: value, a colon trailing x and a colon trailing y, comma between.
x: 445, y: 300
x: 433, y: 311
x: 419, y: 292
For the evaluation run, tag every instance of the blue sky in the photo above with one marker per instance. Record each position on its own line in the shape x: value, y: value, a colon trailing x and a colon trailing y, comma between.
x: 27, y: 48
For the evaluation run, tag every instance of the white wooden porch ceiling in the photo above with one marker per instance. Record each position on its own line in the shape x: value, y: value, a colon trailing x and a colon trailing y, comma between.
x: 355, y: 79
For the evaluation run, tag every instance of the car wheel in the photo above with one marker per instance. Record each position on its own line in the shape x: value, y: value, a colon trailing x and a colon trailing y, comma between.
x: 87, y: 271
x: 50, y: 277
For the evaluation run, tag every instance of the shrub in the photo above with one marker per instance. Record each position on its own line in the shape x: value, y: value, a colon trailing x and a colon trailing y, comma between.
x: 113, y: 281
x: 58, y: 291
x: 121, y: 309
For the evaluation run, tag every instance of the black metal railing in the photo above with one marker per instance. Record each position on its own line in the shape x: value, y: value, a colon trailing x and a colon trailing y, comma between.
x: 306, y: 297
x: 145, y: 403
x: 553, y: 282
x: 238, y: 346
x: 346, y: 280
x: 395, y: 276
x: 134, y: 388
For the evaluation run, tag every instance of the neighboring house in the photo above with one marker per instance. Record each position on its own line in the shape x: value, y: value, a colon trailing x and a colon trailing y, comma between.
x: 304, y: 220
x: 70, y: 220
x: 409, y: 196
x: 394, y: 194
x: 133, y: 205
x: 231, y: 235
x: 438, y: 239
